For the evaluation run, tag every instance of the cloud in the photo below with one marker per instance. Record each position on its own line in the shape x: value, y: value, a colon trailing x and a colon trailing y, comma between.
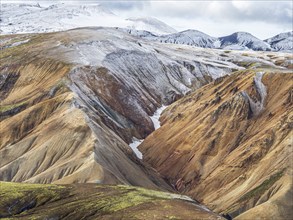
x: 233, y: 11
x: 124, y: 5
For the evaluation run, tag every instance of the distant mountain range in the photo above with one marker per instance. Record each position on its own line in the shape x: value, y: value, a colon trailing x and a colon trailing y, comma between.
x: 235, y: 41
x: 32, y: 18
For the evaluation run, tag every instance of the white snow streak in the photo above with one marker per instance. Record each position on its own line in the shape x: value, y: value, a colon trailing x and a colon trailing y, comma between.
x: 156, y: 116
x: 258, y: 106
x: 156, y: 121
x: 134, y: 146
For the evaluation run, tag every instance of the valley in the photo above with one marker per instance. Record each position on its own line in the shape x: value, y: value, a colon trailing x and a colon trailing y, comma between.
x: 216, y: 126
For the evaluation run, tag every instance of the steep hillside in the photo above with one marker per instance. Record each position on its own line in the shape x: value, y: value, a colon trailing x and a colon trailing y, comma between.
x: 228, y: 144
x: 91, y: 201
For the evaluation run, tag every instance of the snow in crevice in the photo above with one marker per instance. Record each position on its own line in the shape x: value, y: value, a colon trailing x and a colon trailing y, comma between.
x: 156, y: 121
x: 258, y: 106
x: 134, y: 146
x: 156, y: 116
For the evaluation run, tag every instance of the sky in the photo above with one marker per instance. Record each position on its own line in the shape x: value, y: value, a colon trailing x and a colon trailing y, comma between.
x: 263, y: 19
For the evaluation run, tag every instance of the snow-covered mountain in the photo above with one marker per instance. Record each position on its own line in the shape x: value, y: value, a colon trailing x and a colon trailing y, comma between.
x: 190, y: 37
x: 283, y: 41
x: 243, y: 41
x: 33, y: 18
x: 235, y: 41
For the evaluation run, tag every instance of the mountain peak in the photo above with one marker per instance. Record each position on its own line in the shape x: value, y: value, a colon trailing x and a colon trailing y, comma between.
x: 282, y: 41
x: 243, y: 41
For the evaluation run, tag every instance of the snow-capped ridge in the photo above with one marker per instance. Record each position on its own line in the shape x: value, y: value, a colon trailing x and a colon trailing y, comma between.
x: 282, y: 41
x: 189, y: 37
x: 243, y: 40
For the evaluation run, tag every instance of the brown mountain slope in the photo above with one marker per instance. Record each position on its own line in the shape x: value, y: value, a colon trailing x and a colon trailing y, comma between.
x: 229, y: 145
x: 91, y: 201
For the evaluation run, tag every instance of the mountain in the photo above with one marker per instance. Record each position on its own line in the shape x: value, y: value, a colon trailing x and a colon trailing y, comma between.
x: 236, y: 41
x: 91, y: 201
x: 243, y: 41
x: 99, y: 77
x: 282, y: 42
x: 32, y: 18
x: 74, y: 104
x: 190, y: 37
x: 228, y: 144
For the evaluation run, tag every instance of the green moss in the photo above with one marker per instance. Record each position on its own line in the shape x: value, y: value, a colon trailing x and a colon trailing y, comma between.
x: 127, y: 197
x: 15, y: 196
x: 258, y: 191
x: 5, y: 108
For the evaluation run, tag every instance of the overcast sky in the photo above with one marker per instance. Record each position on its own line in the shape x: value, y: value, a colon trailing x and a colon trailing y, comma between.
x: 217, y: 18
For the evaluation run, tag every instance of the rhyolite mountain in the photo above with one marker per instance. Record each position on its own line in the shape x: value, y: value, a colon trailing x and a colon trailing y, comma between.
x: 71, y: 102
x: 75, y: 104
x: 99, y: 87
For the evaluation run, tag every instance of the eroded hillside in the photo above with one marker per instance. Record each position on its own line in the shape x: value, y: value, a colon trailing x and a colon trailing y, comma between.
x: 229, y: 144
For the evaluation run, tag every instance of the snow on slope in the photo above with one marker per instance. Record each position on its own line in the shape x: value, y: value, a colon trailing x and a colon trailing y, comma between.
x: 243, y: 41
x: 283, y: 41
x: 156, y: 121
x: 30, y: 18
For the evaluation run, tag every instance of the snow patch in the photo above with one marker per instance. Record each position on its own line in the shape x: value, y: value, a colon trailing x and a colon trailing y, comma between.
x: 134, y: 146
x: 156, y: 121
x: 156, y: 117
x: 258, y: 106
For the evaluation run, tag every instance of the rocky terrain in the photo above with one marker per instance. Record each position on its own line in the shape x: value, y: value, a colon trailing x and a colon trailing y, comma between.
x: 72, y: 103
